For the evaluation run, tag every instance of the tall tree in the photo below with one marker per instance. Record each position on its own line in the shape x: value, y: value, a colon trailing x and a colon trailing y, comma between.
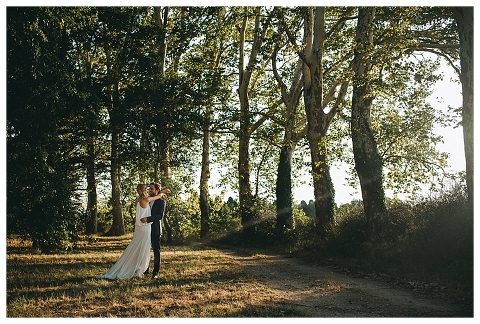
x: 368, y: 162
x: 162, y: 138
x: 114, y: 30
x: 91, y: 122
x: 162, y: 135
x: 318, y: 120
x: 464, y: 19
x: 292, y: 136
x: 122, y: 46
x: 400, y: 83
x: 41, y: 176
x: 245, y: 72
x: 181, y: 90
x: 321, y: 106
x: 210, y: 55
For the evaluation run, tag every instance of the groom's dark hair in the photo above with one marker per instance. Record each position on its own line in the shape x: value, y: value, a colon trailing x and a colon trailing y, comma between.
x: 157, y: 185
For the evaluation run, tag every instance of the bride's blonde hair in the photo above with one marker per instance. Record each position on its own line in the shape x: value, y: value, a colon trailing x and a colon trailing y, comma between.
x: 141, y: 190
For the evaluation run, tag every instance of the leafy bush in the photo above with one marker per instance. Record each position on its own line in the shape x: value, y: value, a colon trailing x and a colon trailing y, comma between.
x: 348, y: 232
x: 442, y: 240
x: 428, y: 239
x: 183, y: 217
x: 224, y: 218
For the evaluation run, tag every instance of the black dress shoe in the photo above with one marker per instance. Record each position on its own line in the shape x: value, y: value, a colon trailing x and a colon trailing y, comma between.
x: 155, y: 276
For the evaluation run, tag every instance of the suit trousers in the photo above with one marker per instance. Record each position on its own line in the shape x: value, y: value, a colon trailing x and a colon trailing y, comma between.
x: 156, y: 253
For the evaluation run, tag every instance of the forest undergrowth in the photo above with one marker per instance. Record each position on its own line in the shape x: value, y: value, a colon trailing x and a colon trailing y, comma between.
x: 427, y: 244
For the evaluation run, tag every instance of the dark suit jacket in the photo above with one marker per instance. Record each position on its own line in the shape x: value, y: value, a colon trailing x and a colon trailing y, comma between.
x: 158, y: 211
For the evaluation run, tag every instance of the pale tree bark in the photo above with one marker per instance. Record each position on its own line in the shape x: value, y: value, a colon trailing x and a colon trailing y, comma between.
x: 245, y: 190
x: 318, y: 116
x: 368, y: 163
x: 91, y: 225
x: 162, y: 164
x: 118, y: 226
x: 204, y: 178
x: 464, y: 19
x: 161, y: 22
x: 317, y: 120
x: 208, y: 128
x: 91, y: 221
x: 246, y: 127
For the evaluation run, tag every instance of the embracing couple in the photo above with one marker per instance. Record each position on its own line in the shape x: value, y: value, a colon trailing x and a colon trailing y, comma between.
x: 135, y: 260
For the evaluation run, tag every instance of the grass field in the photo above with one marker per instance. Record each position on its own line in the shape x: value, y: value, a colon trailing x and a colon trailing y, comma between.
x: 195, y: 282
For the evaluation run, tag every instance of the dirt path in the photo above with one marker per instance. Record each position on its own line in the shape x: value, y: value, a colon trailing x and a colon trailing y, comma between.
x: 321, y: 292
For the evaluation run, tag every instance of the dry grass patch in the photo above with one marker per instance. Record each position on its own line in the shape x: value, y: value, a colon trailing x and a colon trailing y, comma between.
x: 195, y: 282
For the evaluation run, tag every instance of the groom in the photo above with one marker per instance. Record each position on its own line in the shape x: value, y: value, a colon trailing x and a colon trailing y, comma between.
x: 157, y: 212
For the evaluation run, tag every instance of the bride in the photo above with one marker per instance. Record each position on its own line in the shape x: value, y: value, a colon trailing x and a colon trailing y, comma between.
x: 136, y: 257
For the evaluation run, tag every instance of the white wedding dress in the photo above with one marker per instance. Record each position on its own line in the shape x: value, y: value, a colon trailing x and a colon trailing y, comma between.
x: 136, y: 257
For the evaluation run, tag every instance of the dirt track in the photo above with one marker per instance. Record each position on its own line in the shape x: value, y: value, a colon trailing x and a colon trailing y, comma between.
x: 320, y: 291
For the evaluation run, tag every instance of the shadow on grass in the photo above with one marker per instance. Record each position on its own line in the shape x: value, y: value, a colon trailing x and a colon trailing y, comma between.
x: 194, y: 282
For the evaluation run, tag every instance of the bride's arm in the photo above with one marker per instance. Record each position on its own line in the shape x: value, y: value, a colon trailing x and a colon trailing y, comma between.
x: 161, y: 195
x: 144, y: 202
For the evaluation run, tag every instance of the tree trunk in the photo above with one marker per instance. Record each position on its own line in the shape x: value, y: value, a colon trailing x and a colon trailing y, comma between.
x: 317, y: 121
x: 246, y: 127
x: 91, y: 224
x: 245, y: 191
x: 166, y: 172
x: 162, y: 163
x: 204, y: 178
x: 160, y: 22
x: 91, y: 221
x: 118, y: 226
x: 245, y: 195
x: 368, y: 163
x: 464, y: 19
x: 284, y: 189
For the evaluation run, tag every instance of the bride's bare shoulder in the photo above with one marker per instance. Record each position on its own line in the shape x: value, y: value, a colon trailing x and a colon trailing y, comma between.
x: 143, y: 202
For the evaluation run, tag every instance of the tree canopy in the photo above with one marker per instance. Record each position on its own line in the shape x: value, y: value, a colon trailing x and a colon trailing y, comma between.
x: 113, y: 96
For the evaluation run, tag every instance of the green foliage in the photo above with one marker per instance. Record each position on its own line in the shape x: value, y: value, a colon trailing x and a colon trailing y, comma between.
x: 184, y: 216
x: 63, y: 63
x: 290, y: 240
x: 309, y: 209
x: 224, y: 218
x: 349, y: 230
x: 42, y: 203
x: 267, y: 234
x: 105, y: 216
x: 49, y: 217
x: 264, y: 223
